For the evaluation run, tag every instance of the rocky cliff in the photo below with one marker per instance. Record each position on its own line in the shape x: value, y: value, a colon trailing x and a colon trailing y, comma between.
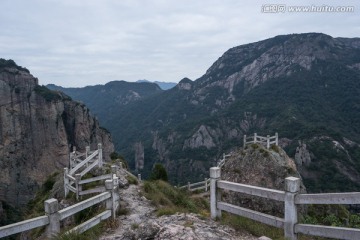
x: 38, y: 127
x: 255, y: 165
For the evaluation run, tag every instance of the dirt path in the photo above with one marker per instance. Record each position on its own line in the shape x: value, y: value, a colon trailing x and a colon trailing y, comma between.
x: 140, y: 222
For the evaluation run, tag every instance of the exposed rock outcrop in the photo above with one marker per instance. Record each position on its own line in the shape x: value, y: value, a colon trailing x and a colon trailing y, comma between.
x: 255, y: 165
x: 38, y: 127
x: 139, y: 156
x: 202, y: 138
x: 302, y: 155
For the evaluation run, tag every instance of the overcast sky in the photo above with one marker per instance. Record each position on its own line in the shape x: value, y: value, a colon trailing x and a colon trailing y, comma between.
x: 74, y: 43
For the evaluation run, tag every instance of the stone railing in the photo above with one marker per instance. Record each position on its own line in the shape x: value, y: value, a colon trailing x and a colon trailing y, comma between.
x: 266, y: 141
x: 53, y: 215
x: 291, y: 197
x: 204, y: 185
x: 79, y: 167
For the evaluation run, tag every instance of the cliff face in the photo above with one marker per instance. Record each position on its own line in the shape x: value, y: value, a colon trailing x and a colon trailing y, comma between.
x: 38, y: 127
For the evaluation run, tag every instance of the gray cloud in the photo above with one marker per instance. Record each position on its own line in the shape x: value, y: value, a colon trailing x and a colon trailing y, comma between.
x: 78, y: 43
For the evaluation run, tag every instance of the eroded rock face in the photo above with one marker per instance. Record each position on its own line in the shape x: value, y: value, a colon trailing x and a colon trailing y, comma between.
x: 202, y: 137
x: 302, y: 155
x: 139, y: 156
x: 37, y: 129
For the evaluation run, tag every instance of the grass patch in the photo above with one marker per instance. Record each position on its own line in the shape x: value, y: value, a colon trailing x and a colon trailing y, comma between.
x: 92, y: 234
x: 258, y: 229
x: 134, y: 226
x: 132, y: 180
x: 169, y: 200
x: 36, y: 206
x: 275, y: 148
x: 240, y: 224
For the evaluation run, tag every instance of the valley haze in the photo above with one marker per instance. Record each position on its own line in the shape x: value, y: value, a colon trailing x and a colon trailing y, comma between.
x: 303, y: 86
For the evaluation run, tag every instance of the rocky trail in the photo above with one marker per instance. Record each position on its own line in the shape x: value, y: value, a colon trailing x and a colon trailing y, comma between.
x: 141, y: 222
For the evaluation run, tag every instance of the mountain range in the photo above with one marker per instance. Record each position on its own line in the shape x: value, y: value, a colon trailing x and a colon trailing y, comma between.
x: 305, y: 86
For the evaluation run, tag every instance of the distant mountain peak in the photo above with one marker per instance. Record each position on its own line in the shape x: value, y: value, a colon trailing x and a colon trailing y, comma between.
x: 162, y: 85
x: 185, y: 84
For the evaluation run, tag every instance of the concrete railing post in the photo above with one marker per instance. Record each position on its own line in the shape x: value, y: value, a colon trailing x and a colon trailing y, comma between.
x: 292, y: 187
x: 206, y: 185
x: 77, y: 185
x: 70, y: 160
x: 73, y: 157
x: 51, y: 210
x: 120, y: 165
x: 255, y: 137
x: 87, y: 151
x: 66, y: 181
x: 244, y: 143
x: 215, y: 173
x: 113, y: 169
x: 276, y: 139
x: 110, y: 203
x: 188, y: 186
x: 268, y: 141
x: 100, y: 155
x: 139, y: 177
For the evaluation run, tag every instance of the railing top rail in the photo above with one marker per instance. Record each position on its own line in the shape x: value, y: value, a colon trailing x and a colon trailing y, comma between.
x: 328, y: 198
x: 77, y: 167
x: 23, y: 226
x: 254, y: 215
x: 66, y: 212
x: 252, y: 190
x: 327, y: 231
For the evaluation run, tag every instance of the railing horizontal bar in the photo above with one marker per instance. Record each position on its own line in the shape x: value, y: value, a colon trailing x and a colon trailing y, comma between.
x: 102, y: 177
x: 91, y: 166
x: 70, y: 177
x: 93, y: 190
x: 252, y: 190
x: 254, y: 215
x: 23, y: 226
x: 66, y: 212
x: 327, y: 231
x: 91, y: 222
x: 328, y: 198
x: 262, y: 138
x: 71, y: 188
x: 79, y: 155
x: 198, y: 188
x: 77, y: 167
x: 195, y: 184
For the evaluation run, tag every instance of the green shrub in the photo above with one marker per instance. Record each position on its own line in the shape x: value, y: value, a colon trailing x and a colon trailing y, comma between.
x: 159, y: 173
x: 132, y: 180
x: 47, y: 94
